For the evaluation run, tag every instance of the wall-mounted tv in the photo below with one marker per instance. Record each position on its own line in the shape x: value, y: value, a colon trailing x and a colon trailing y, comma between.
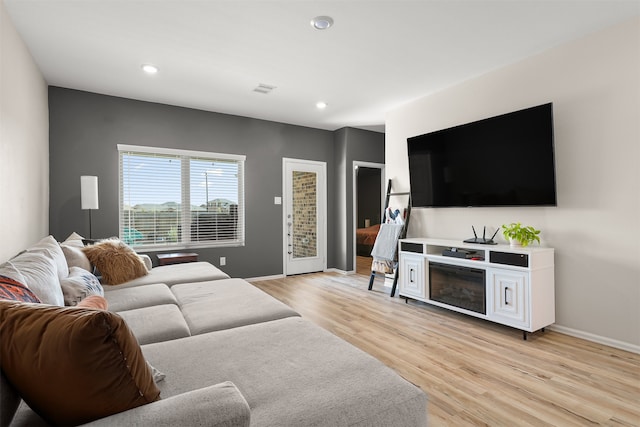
x: 507, y: 160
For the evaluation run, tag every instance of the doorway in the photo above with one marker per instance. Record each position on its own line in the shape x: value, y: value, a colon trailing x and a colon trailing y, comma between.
x: 305, y: 216
x: 368, y: 203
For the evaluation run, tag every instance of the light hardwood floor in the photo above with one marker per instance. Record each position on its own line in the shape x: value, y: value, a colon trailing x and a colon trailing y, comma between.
x: 474, y: 372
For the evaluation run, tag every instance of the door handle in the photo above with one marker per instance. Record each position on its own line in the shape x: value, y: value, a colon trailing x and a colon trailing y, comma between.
x: 411, y: 275
x: 506, y: 301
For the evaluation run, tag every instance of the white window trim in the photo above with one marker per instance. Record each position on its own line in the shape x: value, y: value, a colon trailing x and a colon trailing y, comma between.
x: 186, y: 242
x: 179, y: 152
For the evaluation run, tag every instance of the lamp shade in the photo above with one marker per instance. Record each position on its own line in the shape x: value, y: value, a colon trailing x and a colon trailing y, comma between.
x: 89, y: 192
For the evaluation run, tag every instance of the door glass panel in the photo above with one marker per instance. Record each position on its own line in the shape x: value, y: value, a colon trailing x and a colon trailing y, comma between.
x: 304, y: 228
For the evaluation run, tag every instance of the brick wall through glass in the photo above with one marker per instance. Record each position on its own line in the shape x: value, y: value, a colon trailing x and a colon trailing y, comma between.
x: 304, y: 214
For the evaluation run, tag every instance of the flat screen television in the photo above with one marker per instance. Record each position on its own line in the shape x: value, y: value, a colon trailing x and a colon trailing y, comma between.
x: 507, y: 160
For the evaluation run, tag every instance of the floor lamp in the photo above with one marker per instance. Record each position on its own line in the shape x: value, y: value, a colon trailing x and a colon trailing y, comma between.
x: 89, y: 195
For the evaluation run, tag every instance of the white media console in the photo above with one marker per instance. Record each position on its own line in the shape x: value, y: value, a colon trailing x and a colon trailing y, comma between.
x: 513, y: 286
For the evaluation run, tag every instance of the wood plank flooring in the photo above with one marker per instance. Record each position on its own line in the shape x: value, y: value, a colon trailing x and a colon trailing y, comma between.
x: 475, y: 372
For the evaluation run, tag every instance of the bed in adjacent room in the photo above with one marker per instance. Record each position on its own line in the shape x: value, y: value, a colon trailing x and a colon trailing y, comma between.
x: 365, y: 238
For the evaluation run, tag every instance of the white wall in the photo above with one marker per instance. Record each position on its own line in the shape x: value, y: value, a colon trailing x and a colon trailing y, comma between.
x: 24, y: 145
x: 594, y: 84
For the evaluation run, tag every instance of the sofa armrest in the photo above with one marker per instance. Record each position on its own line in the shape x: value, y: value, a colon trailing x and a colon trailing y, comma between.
x: 147, y: 261
x: 220, y: 405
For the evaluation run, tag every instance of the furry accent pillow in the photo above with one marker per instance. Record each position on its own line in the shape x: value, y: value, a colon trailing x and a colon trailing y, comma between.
x: 116, y: 261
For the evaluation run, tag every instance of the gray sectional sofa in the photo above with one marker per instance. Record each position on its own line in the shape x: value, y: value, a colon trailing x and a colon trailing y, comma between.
x: 234, y: 356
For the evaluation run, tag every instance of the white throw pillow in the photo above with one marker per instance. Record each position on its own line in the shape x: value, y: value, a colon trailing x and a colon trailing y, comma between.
x: 75, y: 257
x: 79, y: 285
x: 50, y: 247
x: 39, y: 273
x: 75, y: 240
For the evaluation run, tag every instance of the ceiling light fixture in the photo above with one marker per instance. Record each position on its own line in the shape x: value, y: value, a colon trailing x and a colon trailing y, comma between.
x: 149, y: 69
x: 321, y: 105
x: 322, y: 22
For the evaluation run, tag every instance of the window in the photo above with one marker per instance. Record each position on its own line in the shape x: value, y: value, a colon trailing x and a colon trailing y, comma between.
x: 179, y: 198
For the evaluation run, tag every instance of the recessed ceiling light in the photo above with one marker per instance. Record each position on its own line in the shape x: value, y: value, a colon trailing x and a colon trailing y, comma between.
x: 321, y: 105
x: 322, y: 22
x: 149, y: 69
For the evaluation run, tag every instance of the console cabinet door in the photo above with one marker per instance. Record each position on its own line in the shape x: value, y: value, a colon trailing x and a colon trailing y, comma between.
x: 509, y: 298
x: 412, y: 276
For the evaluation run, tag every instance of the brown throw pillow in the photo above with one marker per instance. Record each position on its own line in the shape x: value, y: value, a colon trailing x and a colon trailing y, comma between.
x: 116, y: 261
x: 73, y: 365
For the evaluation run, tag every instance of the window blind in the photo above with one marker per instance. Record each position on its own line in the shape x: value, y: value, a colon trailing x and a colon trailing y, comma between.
x: 180, y: 198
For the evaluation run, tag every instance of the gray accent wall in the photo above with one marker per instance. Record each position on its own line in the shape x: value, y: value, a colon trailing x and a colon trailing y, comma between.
x: 85, y: 129
x: 351, y: 145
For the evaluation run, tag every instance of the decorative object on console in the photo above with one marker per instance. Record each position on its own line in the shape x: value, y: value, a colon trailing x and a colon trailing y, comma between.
x: 519, y: 235
x: 481, y: 240
x: 89, y: 195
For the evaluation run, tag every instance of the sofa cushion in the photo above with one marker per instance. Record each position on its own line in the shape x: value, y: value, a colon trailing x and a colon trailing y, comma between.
x: 73, y: 365
x: 38, y: 272
x: 292, y: 373
x: 156, y: 323
x: 13, y: 290
x: 219, y: 405
x: 226, y: 303
x: 79, y: 285
x: 116, y: 261
x: 138, y: 296
x: 179, y: 273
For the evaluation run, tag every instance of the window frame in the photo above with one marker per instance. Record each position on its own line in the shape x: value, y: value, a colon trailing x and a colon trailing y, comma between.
x: 185, y: 176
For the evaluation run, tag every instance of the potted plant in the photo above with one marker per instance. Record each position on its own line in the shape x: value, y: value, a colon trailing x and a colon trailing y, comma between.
x: 519, y: 235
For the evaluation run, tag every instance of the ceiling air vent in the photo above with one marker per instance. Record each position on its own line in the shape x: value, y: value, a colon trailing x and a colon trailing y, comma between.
x: 263, y: 88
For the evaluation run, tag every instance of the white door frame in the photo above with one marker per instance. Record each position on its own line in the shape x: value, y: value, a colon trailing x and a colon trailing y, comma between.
x: 356, y: 165
x: 322, y: 211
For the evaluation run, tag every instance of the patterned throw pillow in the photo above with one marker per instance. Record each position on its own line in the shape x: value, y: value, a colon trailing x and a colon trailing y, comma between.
x: 13, y: 290
x: 79, y: 285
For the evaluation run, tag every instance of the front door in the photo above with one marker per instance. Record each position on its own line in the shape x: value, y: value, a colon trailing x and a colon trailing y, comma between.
x: 305, y: 215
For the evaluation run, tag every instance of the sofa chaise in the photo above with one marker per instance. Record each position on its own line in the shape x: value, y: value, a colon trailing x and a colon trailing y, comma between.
x: 224, y: 353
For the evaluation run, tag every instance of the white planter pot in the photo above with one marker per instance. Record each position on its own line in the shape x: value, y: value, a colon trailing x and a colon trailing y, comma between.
x: 515, y: 243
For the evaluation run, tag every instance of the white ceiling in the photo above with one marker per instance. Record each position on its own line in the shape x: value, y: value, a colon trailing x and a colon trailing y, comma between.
x: 212, y: 54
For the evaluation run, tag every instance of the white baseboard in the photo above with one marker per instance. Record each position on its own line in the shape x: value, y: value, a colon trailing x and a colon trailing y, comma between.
x: 343, y: 272
x: 257, y: 279
x: 596, y: 338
